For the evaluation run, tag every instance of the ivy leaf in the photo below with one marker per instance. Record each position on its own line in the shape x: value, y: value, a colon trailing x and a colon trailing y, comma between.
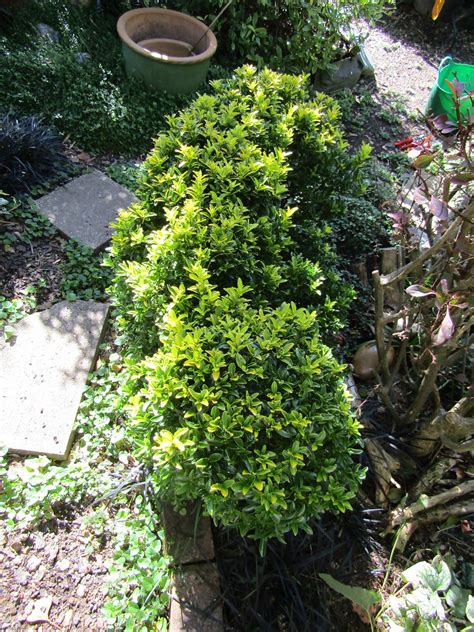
x: 419, y: 291
x: 361, y: 596
x: 445, y: 331
x: 427, y: 602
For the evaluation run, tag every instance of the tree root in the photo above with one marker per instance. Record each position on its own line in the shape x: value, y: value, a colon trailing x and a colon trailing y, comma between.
x: 425, y: 503
x: 438, y: 514
x: 449, y: 427
x: 384, y: 466
x: 433, y: 475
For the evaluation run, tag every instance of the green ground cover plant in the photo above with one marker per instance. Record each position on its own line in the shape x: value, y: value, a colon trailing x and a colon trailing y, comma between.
x: 224, y: 282
x: 431, y: 599
x: 84, y: 276
x: 90, y: 99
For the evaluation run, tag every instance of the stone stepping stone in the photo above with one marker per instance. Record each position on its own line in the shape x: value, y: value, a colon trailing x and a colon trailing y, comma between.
x: 84, y: 208
x: 43, y: 372
x: 196, y: 602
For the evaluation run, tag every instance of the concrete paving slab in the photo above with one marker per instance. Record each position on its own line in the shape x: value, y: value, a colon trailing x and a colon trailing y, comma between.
x: 43, y: 372
x: 196, y: 604
x: 84, y: 208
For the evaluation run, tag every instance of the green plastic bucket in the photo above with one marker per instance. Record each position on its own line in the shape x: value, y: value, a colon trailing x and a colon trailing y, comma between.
x: 441, y: 99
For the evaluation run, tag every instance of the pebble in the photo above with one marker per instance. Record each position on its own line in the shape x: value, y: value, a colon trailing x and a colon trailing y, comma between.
x: 68, y: 618
x: 39, y: 543
x: 52, y: 553
x: 41, y: 573
x: 17, y: 545
x: 81, y: 591
x: 63, y: 565
x: 33, y: 563
x: 84, y: 568
x: 22, y: 578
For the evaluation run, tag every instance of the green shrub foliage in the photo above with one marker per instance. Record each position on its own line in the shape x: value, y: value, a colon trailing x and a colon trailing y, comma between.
x: 292, y: 35
x: 223, y: 284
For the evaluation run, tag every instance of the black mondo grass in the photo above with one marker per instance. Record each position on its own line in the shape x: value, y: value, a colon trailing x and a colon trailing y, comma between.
x: 31, y: 153
x: 282, y: 590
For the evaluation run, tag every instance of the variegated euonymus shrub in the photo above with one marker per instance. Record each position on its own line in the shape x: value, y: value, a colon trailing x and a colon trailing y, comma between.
x: 223, y: 286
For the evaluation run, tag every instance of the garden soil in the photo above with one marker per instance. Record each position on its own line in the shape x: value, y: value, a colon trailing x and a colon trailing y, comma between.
x: 57, y: 563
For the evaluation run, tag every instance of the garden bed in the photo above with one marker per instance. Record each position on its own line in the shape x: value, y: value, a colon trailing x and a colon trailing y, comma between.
x: 63, y: 550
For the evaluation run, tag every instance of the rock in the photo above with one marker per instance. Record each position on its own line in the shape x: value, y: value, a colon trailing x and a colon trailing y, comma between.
x: 82, y: 57
x: 68, y: 617
x: 343, y: 74
x: 84, y: 568
x: 38, y: 543
x: 41, y: 573
x: 33, y: 563
x: 366, y: 360
x: 17, y: 545
x: 22, y: 578
x: 47, y: 31
x: 81, y: 591
x: 63, y: 565
x: 52, y: 553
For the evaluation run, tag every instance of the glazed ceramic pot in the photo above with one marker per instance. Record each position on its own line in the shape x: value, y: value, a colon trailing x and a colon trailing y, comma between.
x: 169, y: 50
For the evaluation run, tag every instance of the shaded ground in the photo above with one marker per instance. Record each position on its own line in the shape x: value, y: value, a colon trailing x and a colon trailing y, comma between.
x: 31, y: 264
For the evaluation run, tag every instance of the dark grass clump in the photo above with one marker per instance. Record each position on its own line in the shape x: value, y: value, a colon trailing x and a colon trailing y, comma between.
x: 283, y: 590
x: 30, y: 153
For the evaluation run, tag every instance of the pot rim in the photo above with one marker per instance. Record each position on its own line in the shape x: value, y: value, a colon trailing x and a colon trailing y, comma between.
x: 168, y: 59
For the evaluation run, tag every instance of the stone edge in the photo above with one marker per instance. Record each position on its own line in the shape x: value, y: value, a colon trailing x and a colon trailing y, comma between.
x: 205, y: 524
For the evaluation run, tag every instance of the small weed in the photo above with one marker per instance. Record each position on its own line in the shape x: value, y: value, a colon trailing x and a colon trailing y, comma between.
x: 23, y: 223
x: 13, y: 310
